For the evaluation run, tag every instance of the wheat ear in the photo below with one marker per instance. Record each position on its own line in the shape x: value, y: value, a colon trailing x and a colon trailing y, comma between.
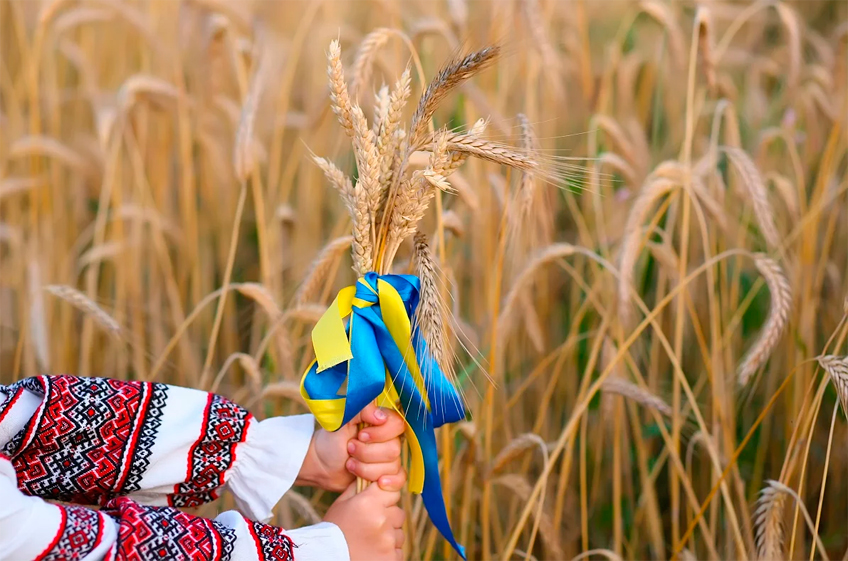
x: 450, y: 76
x: 781, y: 301
x: 339, y: 96
x: 756, y: 190
x: 320, y: 268
x: 86, y: 305
x: 624, y: 388
x: 429, y: 316
x: 837, y: 368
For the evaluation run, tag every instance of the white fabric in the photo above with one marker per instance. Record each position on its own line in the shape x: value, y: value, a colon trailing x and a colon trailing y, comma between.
x: 182, y: 423
x: 268, y: 463
x: 319, y: 542
x: 17, y: 415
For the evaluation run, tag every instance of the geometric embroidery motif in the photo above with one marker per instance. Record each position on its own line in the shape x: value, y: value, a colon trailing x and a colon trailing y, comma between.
x: 271, y: 543
x: 152, y: 421
x: 224, y: 427
x: 79, y: 534
x: 148, y: 533
x: 76, y: 446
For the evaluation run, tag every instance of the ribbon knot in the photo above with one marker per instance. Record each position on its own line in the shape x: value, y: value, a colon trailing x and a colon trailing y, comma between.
x: 379, y: 355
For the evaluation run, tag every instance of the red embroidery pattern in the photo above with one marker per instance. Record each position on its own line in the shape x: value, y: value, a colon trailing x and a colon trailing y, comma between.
x: 79, y: 444
x: 80, y: 532
x: 271, y: 543
x: 148, y: 533
x: 224, y: 427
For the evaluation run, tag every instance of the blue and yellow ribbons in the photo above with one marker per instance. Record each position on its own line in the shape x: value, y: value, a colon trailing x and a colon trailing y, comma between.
x: 383, y: 358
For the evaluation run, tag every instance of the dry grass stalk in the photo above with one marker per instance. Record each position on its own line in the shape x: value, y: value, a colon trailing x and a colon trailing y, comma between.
x: 429, y: 317
x: 651, y: 192
x: 87, y: 306
x: 449, y: 77
x: 781, y: 302
x: 837, y: 368
x: 37, y: 145
x: 339, y: 96
x: 624, y: 388
x: 516, y: 448
x: 261, y: 295
x: 285, y: 389
x: 755, y: 188
x: 705, y: 46
x: 158, y: 93
x: 320, y: 268
x: 508, y: 317
x: 38, y: 317
x: 244, y: 158
x: 303, y: 507
x: 550, y: 537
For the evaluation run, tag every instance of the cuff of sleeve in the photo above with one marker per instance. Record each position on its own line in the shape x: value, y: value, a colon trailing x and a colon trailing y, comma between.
x: 268, y: 463
x: 319, y: 542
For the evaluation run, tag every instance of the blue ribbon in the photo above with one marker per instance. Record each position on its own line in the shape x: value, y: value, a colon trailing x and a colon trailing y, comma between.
x: 375, y: 354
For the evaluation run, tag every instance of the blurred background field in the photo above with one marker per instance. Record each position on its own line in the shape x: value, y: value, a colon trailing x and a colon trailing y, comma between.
x: 636, y: 337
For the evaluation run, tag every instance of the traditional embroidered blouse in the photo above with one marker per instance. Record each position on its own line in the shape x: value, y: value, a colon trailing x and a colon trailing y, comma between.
x: 137, y: 450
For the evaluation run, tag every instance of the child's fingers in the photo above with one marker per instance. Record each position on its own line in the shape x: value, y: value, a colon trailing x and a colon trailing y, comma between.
x: 399, y: 538
x: 372, y: 472
x: 374, y: 415
x: 396, y: 516
x: 390, y: 427
x: 385, y: 498
x: 376, y: 452
x: 392, y: 482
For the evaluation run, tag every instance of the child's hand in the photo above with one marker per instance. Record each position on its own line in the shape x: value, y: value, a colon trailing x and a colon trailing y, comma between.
x: 371, y: 522
x: 335, y: 458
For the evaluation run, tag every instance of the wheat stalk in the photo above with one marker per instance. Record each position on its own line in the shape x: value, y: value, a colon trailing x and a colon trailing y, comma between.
x: 768, y: 521
x: 507, y: 317
x: 837, y: 368
x: 757, y: 193
x: 624, y: 388
x: 364, y: 61
x: 450, y: 76
x: 781, y: 302
x: 339, y: 96
x: 429, y: 316
x: 87, y: 306
x: 320, y: 268
x: 652, y: 191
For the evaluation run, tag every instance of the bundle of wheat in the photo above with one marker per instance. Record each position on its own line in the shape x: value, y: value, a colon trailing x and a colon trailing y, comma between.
x: 397, y: 322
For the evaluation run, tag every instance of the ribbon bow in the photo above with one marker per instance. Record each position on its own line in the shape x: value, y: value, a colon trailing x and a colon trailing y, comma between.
x: 382, y: 358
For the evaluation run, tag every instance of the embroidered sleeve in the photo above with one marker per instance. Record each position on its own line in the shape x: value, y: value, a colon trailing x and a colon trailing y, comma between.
x: 87, y: 440
x: 124, y: 530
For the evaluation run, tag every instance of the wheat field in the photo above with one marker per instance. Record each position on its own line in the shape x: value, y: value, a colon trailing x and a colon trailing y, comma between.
x: 648, y: 329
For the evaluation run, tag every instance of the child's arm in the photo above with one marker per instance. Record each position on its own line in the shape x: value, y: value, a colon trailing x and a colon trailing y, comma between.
x: 87, y: 440
x: 31, y: 528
